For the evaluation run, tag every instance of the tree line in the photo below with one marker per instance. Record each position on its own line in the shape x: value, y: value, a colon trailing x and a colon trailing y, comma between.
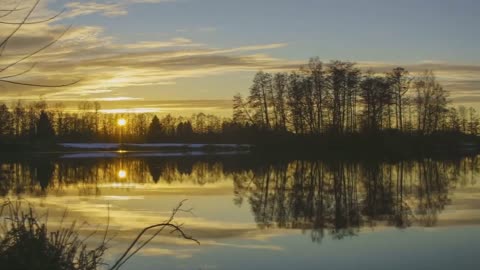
x: 334, y: 98
x: 41, y: 120
x: 339, y: 98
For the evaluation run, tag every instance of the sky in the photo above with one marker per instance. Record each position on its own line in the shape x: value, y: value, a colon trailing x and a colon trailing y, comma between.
x: 146, y: 53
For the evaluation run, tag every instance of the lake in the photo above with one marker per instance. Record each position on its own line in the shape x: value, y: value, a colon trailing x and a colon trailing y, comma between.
x: 251, y: 212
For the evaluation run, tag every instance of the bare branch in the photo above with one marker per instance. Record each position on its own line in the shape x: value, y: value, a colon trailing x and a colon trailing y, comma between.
x: 36, y: 22
x: 3, y: 44
x: 20, y: 73
x: 36, y: 52
x: 127, y: 255
x: 11, y: 10
x: 39, y: 85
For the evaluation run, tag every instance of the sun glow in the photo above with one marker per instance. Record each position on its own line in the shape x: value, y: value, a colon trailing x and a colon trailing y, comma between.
x: 121, y: 122
x: 122, y: 174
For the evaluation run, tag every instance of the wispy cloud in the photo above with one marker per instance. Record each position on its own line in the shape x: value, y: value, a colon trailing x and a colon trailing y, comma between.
x: 108, y: 8
x: 108, y: 68
x: 175, y: 42
x: 85, y: 52
x: 106, y: 65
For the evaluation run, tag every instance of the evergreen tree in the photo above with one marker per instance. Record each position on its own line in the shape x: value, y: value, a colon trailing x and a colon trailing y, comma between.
x: 44, y: 127
x: 154, y: 130
x: 184, y: 129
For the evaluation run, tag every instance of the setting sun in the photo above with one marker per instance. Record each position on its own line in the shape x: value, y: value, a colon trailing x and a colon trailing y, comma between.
x: 121, y: 122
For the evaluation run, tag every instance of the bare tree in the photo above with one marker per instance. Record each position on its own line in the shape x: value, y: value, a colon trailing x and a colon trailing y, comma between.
x: 400, y: 83
x: 259, y: 98
x: 315, y: 67
x: 279, y: 86
x: 431, y: 102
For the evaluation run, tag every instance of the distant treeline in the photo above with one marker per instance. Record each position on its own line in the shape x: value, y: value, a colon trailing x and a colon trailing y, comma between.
x: 317, y: 101
x: 339, y: 98
x: 42, y: 121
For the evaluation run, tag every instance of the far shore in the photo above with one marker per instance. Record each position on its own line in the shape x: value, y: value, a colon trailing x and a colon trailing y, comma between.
x: 355, y: 145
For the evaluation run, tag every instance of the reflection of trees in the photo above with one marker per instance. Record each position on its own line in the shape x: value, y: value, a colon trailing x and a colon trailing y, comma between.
x: 307, y: 195
x: 341, y: 197
x: 335, y: 197
x: 46, y: 175
x: 41, y: 171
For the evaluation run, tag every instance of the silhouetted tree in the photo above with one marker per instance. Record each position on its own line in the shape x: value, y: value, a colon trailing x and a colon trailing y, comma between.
x: 44, y: 128
x: 6, y: 124
x: 400, y: 82
x: 184, y: 129
x: 279, y: 88
x: 320, y: 91
x: 260, y: 98
x: 376, y: 96
x: 155, y: 130
x: 431, y: 102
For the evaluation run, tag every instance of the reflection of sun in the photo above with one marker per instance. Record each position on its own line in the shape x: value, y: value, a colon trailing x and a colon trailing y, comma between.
x: 122, y: 174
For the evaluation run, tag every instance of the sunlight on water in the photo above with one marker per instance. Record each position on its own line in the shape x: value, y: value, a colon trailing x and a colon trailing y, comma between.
x: 122, y: 174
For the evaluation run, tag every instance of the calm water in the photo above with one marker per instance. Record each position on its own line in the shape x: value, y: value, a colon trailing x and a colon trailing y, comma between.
x: 258, y: 214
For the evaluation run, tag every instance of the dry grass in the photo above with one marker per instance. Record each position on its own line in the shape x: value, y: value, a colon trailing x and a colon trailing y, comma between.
x: 27, y: 244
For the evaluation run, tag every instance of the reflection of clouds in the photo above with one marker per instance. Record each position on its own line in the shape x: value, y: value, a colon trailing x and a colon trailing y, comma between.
x: 130, y: 213
x: 465, y: 208
x: 245, y: 246
x: 130, y: 221
x: 179, y: 254
x: 125, y: 222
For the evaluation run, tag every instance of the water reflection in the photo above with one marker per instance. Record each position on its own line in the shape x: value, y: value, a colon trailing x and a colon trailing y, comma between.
x: 331, y: 197
x: 122, y: 174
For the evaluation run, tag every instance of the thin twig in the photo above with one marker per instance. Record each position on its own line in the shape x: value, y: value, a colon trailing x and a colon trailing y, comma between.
x: 36, y: 51
x: 127, y: 255
x: 40, y: 85
x: 36, y: 22
x: 3, y: 44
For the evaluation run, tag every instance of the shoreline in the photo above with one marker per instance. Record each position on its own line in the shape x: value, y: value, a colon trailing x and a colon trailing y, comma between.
x: 354, y: 145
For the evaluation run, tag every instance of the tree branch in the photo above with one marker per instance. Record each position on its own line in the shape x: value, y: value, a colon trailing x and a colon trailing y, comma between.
x: 127, y: 255
x: 35, y: 22
x: 3, y: 44
x: 39, y: 85
x: 11, y: 10
x: 35, y: 52
x: 20, y: 73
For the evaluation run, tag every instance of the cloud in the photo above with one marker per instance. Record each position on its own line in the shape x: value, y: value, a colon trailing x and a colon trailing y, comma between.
x: 108, y: 9
x: 176, y: 42
x: 81, y: 9
x: 206, y: 29
x: 108, y: 68
x: 86, y: 53
x: 105, y: 65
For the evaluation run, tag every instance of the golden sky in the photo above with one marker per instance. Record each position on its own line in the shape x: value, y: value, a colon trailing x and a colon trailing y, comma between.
x: 140, y: 55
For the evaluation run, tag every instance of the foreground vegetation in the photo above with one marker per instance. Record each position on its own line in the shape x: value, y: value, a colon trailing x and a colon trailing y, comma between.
x: 26, y: 242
